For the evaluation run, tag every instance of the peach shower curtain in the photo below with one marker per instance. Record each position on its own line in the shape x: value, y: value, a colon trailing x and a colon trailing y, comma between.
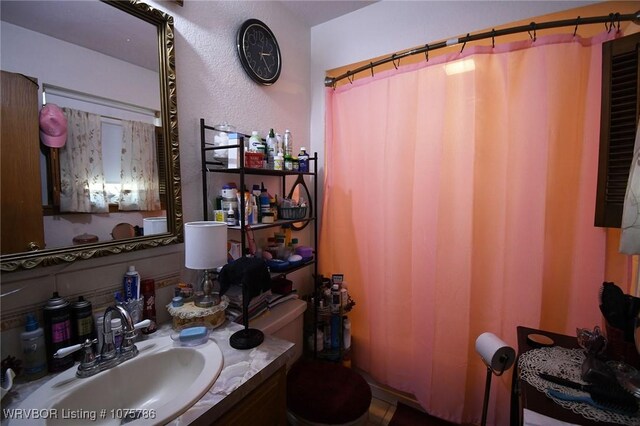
x: 462, y: 203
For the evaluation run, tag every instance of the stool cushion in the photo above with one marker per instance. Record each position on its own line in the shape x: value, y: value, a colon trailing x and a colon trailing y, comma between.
x: 328, y: 393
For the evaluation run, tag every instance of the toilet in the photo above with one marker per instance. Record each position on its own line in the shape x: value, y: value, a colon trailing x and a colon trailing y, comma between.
x: 345, y: 393
x: 284, y: 321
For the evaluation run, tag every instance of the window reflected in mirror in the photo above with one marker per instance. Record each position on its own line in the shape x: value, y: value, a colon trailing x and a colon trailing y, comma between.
x: 98, y: 62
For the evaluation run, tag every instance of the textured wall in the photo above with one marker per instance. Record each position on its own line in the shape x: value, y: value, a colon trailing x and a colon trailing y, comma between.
x: 211, y: 85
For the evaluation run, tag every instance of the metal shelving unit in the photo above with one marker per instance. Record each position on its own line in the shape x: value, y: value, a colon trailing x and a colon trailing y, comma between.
x: 288, y: 179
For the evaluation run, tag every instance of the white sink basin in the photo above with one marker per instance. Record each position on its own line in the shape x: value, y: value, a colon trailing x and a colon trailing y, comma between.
x: 162, y: 382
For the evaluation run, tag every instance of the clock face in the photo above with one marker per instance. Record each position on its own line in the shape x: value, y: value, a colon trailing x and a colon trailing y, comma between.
x: 259, y: 52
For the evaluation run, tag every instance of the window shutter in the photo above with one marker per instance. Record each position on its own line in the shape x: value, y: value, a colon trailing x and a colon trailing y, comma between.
x: 618, y: 121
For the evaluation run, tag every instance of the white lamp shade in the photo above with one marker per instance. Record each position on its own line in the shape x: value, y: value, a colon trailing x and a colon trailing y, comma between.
x: 205, y: 245
x: 154, y: 225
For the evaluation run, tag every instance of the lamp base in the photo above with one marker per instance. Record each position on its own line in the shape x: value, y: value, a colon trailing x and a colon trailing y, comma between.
x: 246, y: 338
x: 207, y: 300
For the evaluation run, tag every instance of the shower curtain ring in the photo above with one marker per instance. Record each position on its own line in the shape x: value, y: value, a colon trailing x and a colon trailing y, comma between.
x: 493, y: 38
x: 618, y: 16
x: 371, y: 67
x: 426, y: 52
x: 533, y: 27
x: 575, y: 30
x: 393, y: 59
x: 464, y: 44
x: 350, y: 76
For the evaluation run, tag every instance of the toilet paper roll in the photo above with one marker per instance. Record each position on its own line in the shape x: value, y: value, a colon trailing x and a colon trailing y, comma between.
x: 495, y: 353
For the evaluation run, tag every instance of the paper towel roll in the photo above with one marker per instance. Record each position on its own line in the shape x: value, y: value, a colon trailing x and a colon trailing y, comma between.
x: 495, y: 353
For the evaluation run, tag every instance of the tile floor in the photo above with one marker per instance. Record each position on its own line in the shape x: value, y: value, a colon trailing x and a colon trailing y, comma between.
x: 380, y: 412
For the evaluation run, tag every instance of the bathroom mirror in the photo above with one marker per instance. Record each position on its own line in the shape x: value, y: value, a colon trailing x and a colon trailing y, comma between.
x: 140, y: 37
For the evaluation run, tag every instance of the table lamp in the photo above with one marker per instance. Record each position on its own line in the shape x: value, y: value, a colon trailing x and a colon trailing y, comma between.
x: 205, y: 248
x: 498, y: 357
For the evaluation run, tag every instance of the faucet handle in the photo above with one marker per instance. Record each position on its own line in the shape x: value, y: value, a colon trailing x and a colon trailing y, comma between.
x: 89, y: 364
x: 62, y: 352
x: 142, y: 324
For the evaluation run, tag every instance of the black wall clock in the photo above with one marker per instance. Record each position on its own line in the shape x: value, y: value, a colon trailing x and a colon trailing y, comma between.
x: 259, y: 52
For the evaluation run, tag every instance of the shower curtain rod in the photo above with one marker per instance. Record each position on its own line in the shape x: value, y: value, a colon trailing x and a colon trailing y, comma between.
x: 609, y: 21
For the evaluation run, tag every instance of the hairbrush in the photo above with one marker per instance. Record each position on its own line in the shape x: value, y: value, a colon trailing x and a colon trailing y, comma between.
x: 586, y: 399
x: 610, y: 395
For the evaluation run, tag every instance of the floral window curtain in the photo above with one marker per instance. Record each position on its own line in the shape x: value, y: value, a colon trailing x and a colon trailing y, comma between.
x: 81, y: 171
x: 139, y: 183
x: 486, y: 182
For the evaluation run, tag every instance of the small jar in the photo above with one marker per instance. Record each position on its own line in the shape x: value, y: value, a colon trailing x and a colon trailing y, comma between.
x: 278, y: 163
x: 268, y: 217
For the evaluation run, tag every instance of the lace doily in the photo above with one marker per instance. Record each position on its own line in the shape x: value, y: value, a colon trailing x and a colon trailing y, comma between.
x: 565, y: 363
x: 190, y: 311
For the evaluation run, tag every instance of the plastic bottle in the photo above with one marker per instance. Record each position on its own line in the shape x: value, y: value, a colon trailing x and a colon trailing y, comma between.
x: 34, y: 355
x: 255, y: 211
x: 278, y: 162
x: 319, y: 341
x: 335, y: 331
x: 335, y: 299
x: 327, y: 335
x: 346, y: 324
x: 116, y: 329
x: 286, y: 228
x: 99, y: 321
x: 303, y: 160
x: 272, y: 148
x: 255, y: 143
x: 288, y: 162
x: 255, y: 193
x: 231, y: 217
x: 265, y: 201
x: 131, y: 283
x: 288, y: 143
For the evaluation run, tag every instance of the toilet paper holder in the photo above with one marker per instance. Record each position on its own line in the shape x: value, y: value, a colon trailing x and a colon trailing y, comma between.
x: 498, y: 358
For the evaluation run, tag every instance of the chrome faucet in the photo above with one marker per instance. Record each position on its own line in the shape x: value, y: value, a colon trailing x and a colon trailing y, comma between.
x: 127, y: 349
x: 110, y: 355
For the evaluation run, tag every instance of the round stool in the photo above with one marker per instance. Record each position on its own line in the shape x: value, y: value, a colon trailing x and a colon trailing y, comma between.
x: 326, y: 393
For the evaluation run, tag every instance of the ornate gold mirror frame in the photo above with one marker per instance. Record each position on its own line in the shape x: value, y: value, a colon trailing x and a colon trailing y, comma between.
x: 169, y: 114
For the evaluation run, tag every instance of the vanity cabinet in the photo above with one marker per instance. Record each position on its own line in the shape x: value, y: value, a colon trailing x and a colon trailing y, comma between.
x: 264, y: 406
x: 21, y: 193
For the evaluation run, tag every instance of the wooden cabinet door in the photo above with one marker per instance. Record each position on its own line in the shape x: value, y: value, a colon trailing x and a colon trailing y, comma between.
x: 20, y: 190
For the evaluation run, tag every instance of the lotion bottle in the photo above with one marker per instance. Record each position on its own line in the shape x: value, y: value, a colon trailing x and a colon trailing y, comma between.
x: 33, y: 349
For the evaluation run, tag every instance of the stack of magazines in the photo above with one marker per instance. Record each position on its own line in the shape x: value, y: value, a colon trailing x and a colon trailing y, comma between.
x: 257, y: 305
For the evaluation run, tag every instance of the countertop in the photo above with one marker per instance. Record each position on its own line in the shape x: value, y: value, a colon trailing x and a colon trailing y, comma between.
x: 242, y: 372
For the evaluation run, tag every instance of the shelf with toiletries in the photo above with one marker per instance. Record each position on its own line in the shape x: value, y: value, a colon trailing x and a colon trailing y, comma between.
x: 224, y: 153
x: 272, y: 225
x: 330, y: 337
